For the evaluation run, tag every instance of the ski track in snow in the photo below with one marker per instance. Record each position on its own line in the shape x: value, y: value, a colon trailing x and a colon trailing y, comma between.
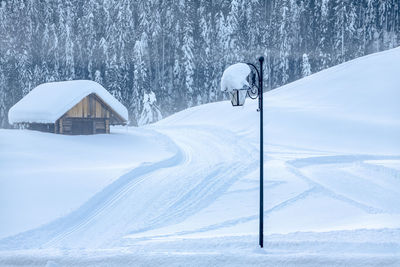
x: 196, y: 191
x: 119, y: 210
x: 208, y: 175
x: 365, y: 169
x: 199, y: 207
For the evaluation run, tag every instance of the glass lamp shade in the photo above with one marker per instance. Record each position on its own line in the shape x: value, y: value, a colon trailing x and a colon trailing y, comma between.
x: 238, y: 97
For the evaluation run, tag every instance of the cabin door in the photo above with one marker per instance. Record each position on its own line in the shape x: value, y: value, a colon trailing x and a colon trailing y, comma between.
x: 82, y: 127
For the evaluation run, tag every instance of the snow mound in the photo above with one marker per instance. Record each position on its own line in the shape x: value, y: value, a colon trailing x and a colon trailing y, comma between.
x: 234, y: 77
x: 49, y: 101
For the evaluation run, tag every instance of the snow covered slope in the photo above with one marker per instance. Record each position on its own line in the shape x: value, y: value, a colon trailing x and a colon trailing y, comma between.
x: 332, y: 186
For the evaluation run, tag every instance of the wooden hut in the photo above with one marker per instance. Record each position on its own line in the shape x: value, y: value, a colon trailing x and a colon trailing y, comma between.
x: 70, y: 107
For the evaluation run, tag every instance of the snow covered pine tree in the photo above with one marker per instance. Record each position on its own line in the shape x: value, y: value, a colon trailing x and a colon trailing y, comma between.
x: 150, y: 112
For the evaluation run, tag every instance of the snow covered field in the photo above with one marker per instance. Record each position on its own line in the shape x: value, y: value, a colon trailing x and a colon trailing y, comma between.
x: 184, y: 191
x: 44, y: 176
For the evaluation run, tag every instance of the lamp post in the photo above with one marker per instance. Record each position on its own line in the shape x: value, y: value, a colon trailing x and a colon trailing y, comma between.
x: 238, y: 99
x: 260, y: 107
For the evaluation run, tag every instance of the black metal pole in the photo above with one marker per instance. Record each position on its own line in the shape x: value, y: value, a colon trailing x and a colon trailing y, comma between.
x: 260, y: 106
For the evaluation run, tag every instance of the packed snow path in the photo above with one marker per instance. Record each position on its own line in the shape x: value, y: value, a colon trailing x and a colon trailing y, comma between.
x: 152, y: 195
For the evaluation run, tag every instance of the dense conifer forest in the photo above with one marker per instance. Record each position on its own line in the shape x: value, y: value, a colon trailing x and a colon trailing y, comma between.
x: 175, y: 51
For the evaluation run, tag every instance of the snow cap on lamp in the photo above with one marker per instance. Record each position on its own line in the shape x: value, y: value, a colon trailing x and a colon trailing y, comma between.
x: 235, y: 77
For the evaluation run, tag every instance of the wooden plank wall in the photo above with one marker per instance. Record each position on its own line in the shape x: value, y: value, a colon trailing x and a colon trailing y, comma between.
x: 89, y: 107
x: 92, y: 109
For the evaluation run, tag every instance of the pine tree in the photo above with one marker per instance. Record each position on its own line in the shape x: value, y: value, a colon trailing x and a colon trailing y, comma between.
x: 339, y: 28
x: 3, y: 106
x: 88, y: 37
x: 204, y: 48
x: 151, y: 112
x: 222, y: 44
x: 178, y: 75
x: 371, y: 36
x: 284, y: 44
x: 101, y: 56
x: 188, y: 58
x: 69, y: 44
x: 305, y: 67
x: 323, y: 49
x: 3, y: 82
x: 386, y: 13
x: 232, y: 33
x: 51, y: 64
x: 139, y: 78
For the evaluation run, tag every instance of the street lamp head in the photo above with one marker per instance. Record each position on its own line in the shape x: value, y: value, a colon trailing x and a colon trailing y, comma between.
x: 235, y: 80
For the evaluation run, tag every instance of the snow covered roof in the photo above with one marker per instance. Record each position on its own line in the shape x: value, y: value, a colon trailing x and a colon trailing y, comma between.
x: 47, y: 102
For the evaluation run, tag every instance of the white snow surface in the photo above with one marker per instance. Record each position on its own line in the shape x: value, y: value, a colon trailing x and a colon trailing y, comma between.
x: 234, y: 77
x: 47, y: 102
x: 332, y: 182
x: 47, y: 176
